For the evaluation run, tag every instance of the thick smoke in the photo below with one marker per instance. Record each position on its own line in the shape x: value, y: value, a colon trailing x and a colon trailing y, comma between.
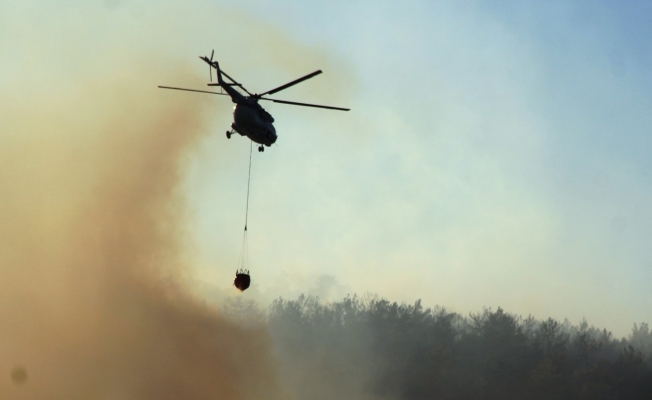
x: 92, y: 232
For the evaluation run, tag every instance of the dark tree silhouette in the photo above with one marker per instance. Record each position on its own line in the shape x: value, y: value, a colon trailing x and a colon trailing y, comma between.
x: 371, y: 348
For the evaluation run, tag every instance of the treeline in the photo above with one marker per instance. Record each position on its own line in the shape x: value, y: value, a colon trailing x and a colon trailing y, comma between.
x: 375, y: 349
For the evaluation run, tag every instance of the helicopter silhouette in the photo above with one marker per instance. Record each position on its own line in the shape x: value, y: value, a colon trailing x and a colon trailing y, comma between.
x: 250, y: 118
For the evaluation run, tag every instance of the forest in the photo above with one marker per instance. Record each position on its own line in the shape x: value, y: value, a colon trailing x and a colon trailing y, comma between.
x: 371, y: 348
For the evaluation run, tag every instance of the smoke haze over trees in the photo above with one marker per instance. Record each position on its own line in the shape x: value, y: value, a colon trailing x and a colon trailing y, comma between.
x: 371, y: 348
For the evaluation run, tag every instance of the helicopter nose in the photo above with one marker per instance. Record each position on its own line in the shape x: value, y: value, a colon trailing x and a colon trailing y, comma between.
x: 272, y: 135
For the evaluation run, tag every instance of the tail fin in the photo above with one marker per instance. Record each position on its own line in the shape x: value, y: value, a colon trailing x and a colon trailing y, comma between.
x: 218, y: 73
x: 213, y: 64
x: 228, y: 87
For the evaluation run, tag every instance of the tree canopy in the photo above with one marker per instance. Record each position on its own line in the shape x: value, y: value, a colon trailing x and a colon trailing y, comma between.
x: 371, y: 348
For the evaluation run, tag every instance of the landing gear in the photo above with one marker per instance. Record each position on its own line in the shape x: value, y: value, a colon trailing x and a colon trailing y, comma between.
x: 261, y: 148
x: 228, y: 134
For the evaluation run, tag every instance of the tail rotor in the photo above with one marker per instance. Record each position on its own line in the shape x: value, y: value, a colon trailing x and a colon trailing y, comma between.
x: 210, y: 66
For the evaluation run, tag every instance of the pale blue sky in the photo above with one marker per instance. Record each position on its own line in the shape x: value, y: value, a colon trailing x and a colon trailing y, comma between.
x: 500, y: 159
x: 496, y: 154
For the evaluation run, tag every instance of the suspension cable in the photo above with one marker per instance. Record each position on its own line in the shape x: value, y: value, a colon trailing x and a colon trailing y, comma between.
x: 244, y: 250
x: 251, y: 145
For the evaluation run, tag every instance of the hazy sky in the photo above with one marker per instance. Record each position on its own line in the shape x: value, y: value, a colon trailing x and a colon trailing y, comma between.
x: 496, y: 154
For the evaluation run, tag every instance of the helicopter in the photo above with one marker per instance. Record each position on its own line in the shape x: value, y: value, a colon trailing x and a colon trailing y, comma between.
x: 250, y: 118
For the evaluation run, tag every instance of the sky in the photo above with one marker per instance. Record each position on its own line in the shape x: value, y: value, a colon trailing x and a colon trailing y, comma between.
x: 496, y: 153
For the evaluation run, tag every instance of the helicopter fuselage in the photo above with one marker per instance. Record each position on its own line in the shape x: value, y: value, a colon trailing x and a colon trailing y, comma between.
x: 251, y: 120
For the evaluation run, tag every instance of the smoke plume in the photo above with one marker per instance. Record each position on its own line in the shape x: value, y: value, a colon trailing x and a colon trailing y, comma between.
x: 92, y: 232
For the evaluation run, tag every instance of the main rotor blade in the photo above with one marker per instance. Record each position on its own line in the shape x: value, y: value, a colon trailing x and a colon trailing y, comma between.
x: 294, y: 82
x: 235, y: 82
x: 294, y: 103
x: 192, y: 90
x: 230, y: 84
